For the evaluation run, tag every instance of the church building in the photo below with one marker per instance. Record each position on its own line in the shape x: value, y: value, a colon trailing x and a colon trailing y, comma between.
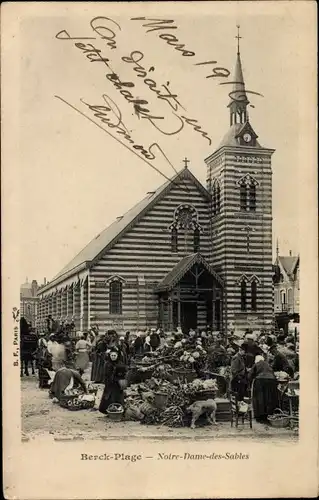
x: 186, y: 255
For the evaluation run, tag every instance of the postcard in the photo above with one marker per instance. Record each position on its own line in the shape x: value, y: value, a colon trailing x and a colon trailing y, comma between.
x: 159, y: 243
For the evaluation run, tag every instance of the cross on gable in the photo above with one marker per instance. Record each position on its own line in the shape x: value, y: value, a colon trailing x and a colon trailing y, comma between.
x: 186, y: 161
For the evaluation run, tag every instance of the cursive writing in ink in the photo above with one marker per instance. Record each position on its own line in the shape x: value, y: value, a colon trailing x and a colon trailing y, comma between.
x: 165, y: 24
x: 100, y: 26
x: 150, y: 149
x: 134, y: 58
x: 216, y: 72
x: 239, y: 95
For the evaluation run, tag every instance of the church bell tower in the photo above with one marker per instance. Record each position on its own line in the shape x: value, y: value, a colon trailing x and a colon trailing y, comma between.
x: 239, y: 178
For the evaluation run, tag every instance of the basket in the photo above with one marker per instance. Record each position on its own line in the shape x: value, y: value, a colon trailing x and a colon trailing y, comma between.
x: 70, y: 402
x: 160, y: 399
x: 115, y: 412
x: 279, y: 419
x: 73, y: 403
x: 184, y: 374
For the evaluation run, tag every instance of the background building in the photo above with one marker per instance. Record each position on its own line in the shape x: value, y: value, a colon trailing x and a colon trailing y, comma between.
x: 29, y: 301
x: 286, y: 289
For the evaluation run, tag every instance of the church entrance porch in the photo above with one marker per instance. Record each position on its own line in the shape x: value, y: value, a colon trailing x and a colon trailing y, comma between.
x: 190, y: 296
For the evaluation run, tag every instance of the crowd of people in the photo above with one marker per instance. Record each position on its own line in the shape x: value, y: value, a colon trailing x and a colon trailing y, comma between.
x: 252, y: 365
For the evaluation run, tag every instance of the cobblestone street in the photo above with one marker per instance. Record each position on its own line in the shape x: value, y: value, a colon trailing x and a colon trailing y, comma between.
x: 41, y: 418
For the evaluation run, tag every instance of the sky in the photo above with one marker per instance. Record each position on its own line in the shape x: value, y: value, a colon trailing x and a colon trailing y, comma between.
x: 75, y: 179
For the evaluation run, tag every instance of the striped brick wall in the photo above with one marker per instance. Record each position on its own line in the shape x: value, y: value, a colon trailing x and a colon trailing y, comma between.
x: 229, y: 236
x: 142, y: 257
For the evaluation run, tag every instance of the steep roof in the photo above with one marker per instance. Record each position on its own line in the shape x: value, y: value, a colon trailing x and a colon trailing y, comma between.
x: 110, y: 235
x: 230, y: 138
x: 181, y: 268
x: 239, y: 91
x: 289, y: 263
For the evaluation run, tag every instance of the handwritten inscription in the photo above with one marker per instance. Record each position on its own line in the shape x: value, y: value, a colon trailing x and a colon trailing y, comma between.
x: 105, y: 113
x: 217, y: 71
x: 165, y: 24
x: 108, y: 113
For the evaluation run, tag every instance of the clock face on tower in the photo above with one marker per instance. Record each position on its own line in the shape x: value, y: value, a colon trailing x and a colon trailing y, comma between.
x: 247, y: 137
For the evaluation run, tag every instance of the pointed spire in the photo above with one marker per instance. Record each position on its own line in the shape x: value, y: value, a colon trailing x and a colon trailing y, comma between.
x: 239, y: 102
x: 277, y: 250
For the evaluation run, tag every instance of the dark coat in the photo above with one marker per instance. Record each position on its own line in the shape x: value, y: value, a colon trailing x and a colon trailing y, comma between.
x: 138, y: 345
x: 98, y: 361
x: 238, y: 367
x: 251, y: 349
x: 261, y: 370
x: 61, y: 380
x: 113, y: 393
x: 155, y: 340
x: 281, y: 364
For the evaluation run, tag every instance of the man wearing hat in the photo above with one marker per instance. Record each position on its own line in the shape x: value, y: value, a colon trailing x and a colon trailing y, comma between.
x: 252, y: 349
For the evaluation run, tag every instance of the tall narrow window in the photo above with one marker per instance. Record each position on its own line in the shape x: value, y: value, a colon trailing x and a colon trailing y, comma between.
x: 252, y: 197
x: 174, y: 240
x: 290, y: 296
x: 254, y: 296
x: 213, y: 201
x: 216, y: 198
x: 115, y: 297
x: 196, y: 240
x: 283, y: 296
x: 243, y: 197
x: 243, y: 295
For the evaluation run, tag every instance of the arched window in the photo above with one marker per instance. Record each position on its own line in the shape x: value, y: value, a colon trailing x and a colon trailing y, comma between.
x: 247, y: 195
x: 196, y: 240
x: 115, y: 297
x: 283, y: 296
x: 243, y: 196
x: 243, y: 295
x: 252, y: 197
x: 174, y: 240
x: 290, y: 296
x: 254, y: 295
x: 216, y: 198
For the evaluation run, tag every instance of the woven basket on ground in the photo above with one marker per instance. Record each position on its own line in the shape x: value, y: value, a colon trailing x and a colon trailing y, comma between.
x: 115, y: 412
x: 279, y: 419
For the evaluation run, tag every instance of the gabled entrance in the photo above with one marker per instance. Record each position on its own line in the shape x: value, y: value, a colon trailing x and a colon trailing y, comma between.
x: 190, y: 296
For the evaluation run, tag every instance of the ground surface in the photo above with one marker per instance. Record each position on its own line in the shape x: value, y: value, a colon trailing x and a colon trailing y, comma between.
x: 41, y: 418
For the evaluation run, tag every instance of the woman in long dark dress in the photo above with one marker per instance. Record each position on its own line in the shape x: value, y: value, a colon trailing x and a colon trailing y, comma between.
x: 44, y: 363
x: 98, y: 360
x: 115, y: 371
x: 265, y: 391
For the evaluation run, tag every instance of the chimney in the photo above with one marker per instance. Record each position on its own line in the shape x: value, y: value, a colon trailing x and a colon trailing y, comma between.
x: 290, y: 253
x: 45, y: 281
